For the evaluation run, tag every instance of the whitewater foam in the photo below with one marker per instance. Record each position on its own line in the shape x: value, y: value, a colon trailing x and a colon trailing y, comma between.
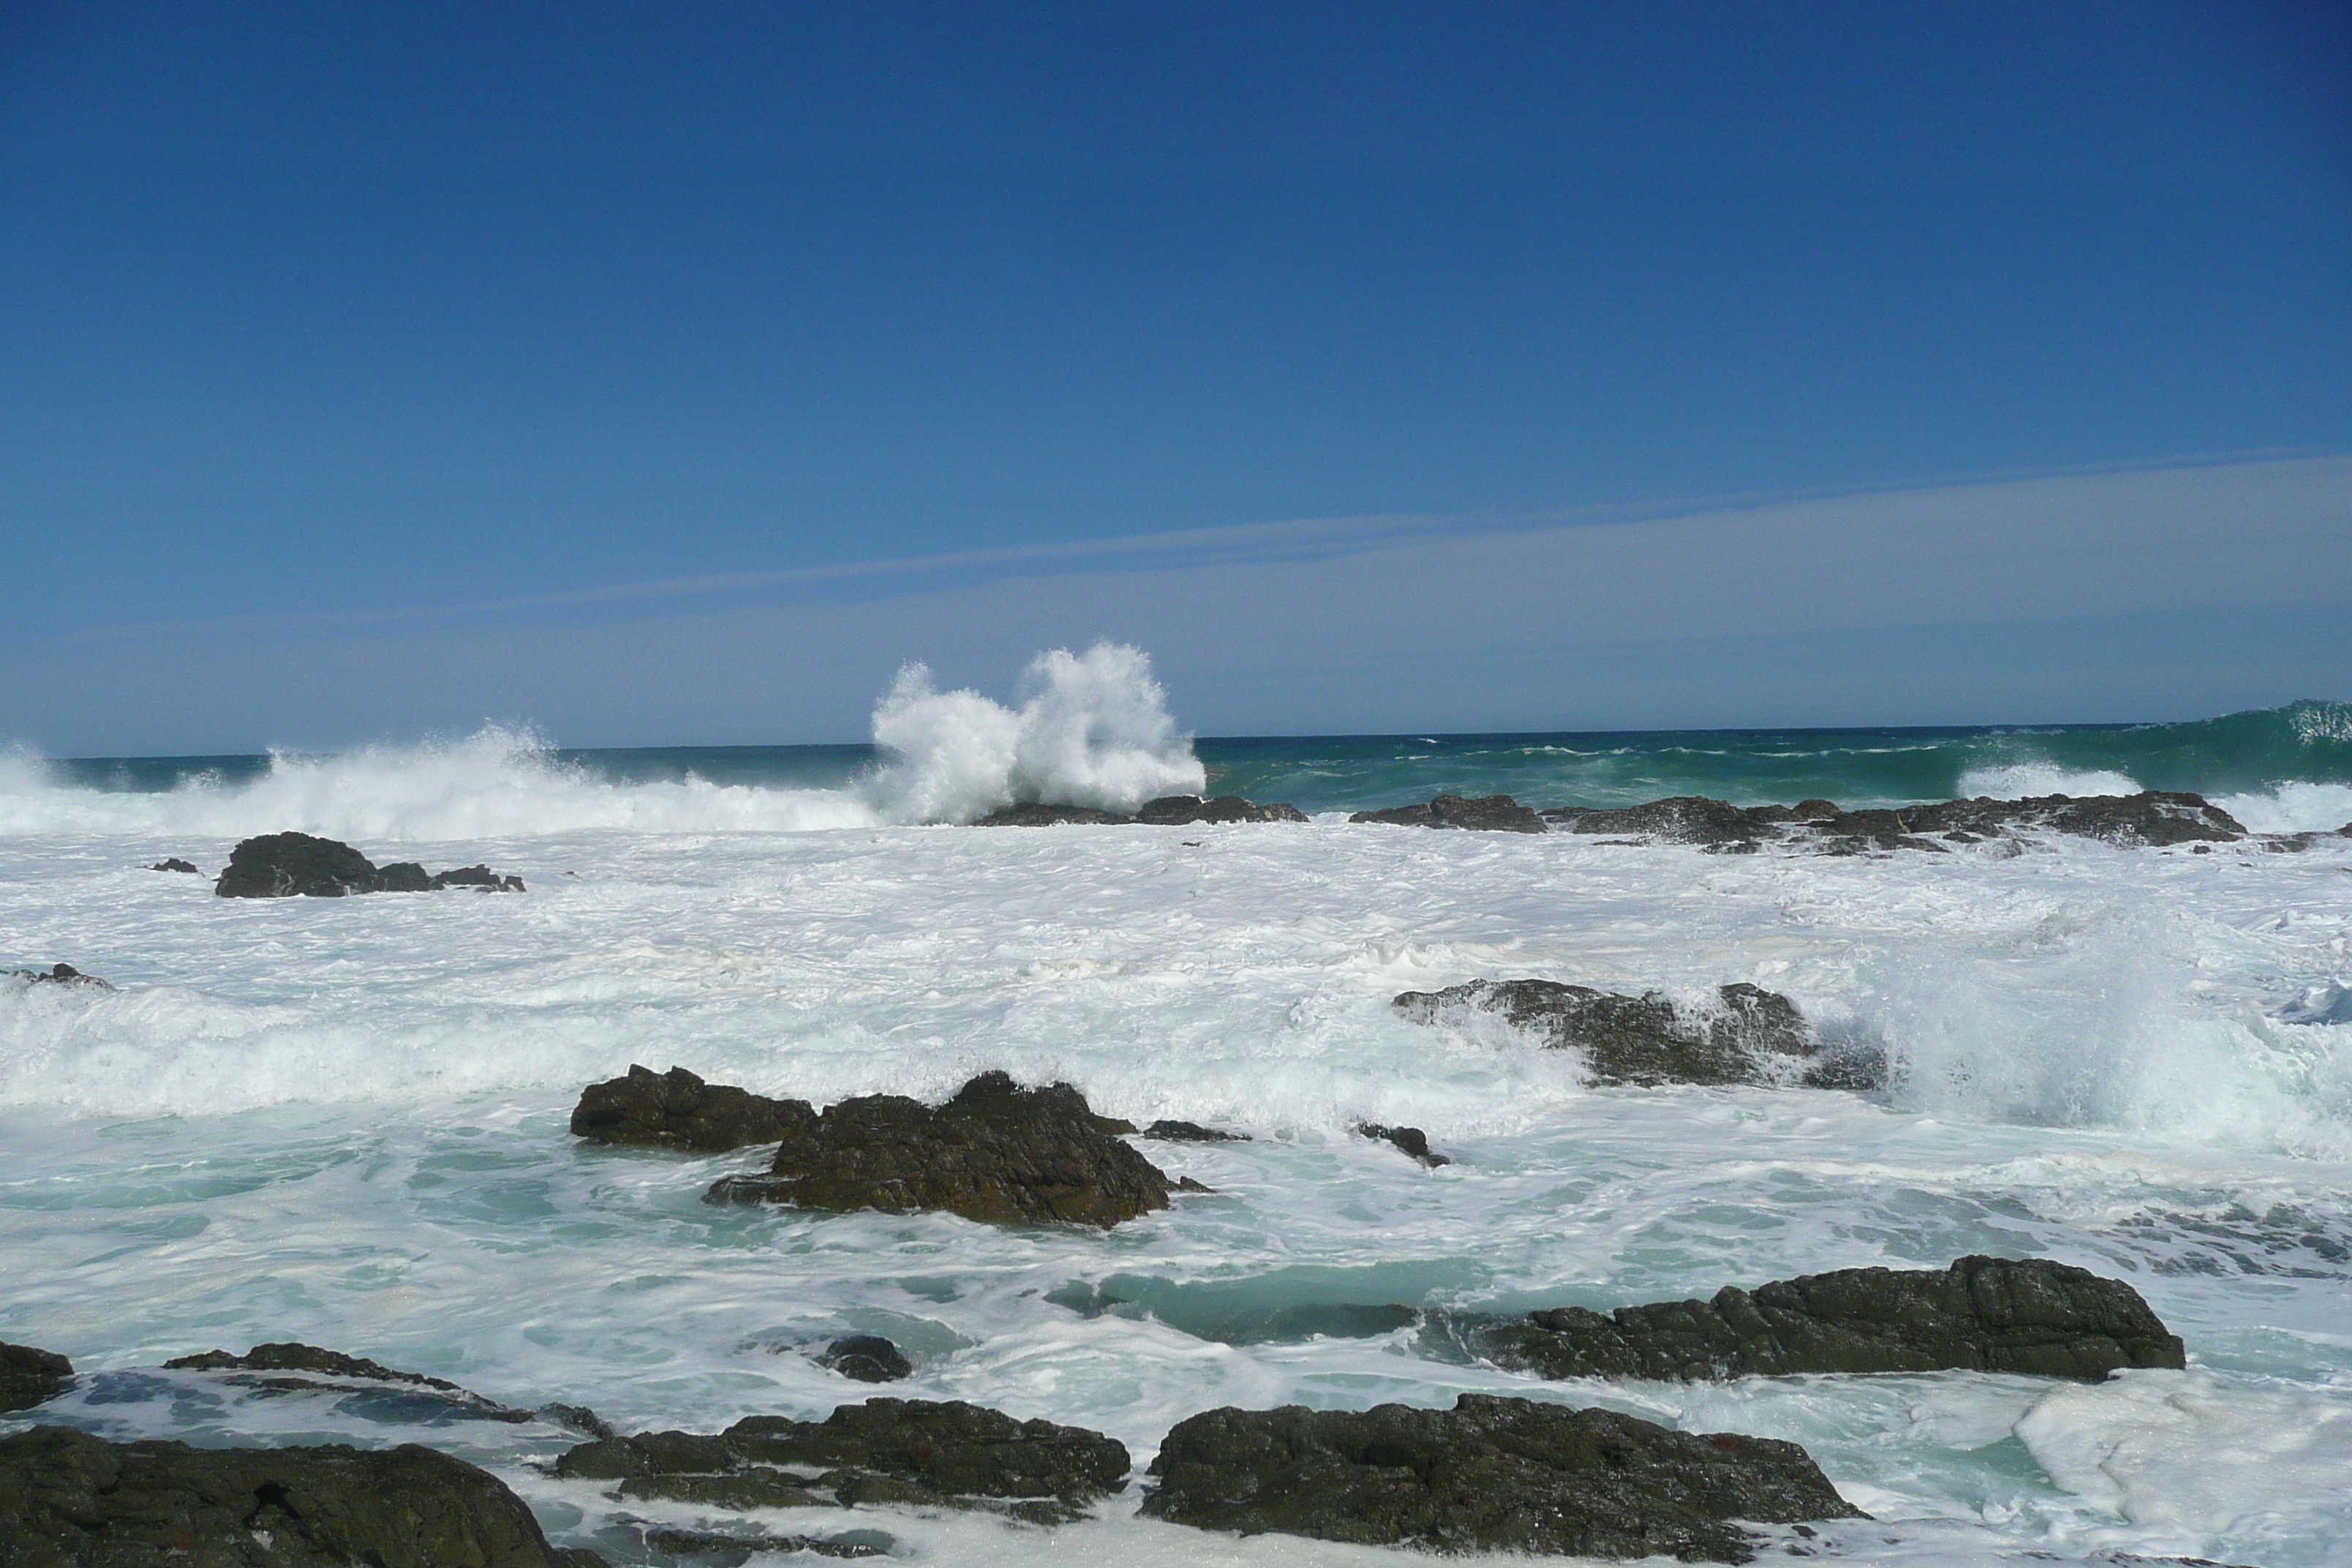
x: 2015, y: 780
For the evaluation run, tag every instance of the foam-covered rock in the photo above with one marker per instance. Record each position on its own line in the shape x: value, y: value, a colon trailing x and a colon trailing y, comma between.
x: 2152, y: 818
x: 1492, y: 1474
x: 1490, y: 813
x: 1982, y: 1314
x: 996, y: 1152
x: 58, y: 974
x: 867, y: 1358
x: 68, y: 1497
x: 300, y: 865
x: 677, y: 1109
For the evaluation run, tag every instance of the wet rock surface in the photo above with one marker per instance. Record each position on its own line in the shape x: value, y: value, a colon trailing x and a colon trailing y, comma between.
x: 1168, y: 811
x: 1492, y: 1474
x: 675, y: 1543
x: 173, y: 863
x: 290, y: 1367
x: 1982, y: 1314
x: 677, y: 1109
x: 1191, y: 1132
x: 1490, y: 813
x: 1751, y: 1036
x: 298, y: 864
x: 67, y: 1498
x: 911, y: 1451
x: 996, y: 1153
x: 868, y: 1358
x: 30, y: 1376
x: 58, y: 974
x: 1410, y: 1141
x: 2152, y: 818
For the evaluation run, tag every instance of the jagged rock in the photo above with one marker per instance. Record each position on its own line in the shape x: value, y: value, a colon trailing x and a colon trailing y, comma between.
x: 1411, y: 1140
x: 1034, y: 816
x: 67, y: 1498
x: 1492, y: 813
x: 2150, y: 817
x: 676, y: 1110
x: 915, y: 1451
x: 1982, y: 1314
x: 868, y: 1358
x: 292, y: 865
x: 290, y: 1367
x: 675, y: 1543
x: 995, y: 1153
x: 58, y: 974
x: 174, y: 863
x: 1752, y: 1035
x: 29, y: 1376
x: 1191, y: 1132
x: 1182, y: 810
x: 1492, y: 1474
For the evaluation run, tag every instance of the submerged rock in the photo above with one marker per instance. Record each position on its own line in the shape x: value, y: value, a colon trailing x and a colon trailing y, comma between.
x: 29, y: 1376
x: 1411, y: 1140
x: 1037, y: 816
x: 867, y: 1358
x: 2150, y: 817
x: 1191, y: 1132
x: 296, y: 865
x: 676, y: 1110
x: 1492, y: 1474
x: 915, y: 1451
x: 174, y: 863
x: 1981, y: 1314
x: 1492, y: 813
x: 672, y: 1541
x: 58, y: 974
x: 1683, y: 819
x: 1751, y: 1035
x: 995, y: 1153
x: 1168, y: 811
x: 290, y: 1367
x: 67, y: 1498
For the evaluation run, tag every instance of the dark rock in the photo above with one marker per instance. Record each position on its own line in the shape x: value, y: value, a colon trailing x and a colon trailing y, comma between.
x: 1683, y: 819
x: 886, y: 1450
x: 675, y: 1543
x: 1035, y: 816
x: 1413, y: 1141
x: 1982, y: 1314
x: 1493, y: 813
x: 996, y: 1153
x: 1492, y: 1474
x: 30, y: 1376
x: 287, y: 865
x: 1752, y: 1035
x: 1191, y: 1132
x: 1182, y: 810
x: 677, y: 1111
x: 868, y: 1358
x: 289, y: 1367
x: 58, y: 974
x: 403, y: 877
x: 480, y: 877
x: 578, y: 1417
x: 67, y: 1498
x: 2150, y: 817
x: 175, y: 864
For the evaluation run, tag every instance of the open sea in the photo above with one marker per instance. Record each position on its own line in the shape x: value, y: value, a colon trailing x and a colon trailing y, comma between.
x: 344, y: 1122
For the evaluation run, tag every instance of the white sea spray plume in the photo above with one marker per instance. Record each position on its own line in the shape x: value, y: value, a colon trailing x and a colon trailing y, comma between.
x: 2017, y: 781
x: 1092, y: 729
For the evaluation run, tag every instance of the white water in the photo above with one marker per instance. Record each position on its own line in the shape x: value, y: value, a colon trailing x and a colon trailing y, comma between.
x: 342, y: 1120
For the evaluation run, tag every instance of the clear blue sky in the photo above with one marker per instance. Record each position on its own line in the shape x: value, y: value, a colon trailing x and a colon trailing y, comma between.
x: 322, y: 328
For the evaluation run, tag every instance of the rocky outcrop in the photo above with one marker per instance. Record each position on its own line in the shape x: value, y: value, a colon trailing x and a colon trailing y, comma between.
x: 174, y: 863
x: 29, y: 1376
x: 996, y: 1153
x: 1191, y: 1132
x: 67, y: 1498
x: 1492, y: 813
x: 58, y: 974
x: 296, y: 865
x: 1751, y: 1035
x: 867, y: 1358
x: 1492, y: 1474
x: 1982, y: 1314
x: 672, y: 1541
x: 913, y: 1451
x: 2158, y: 817
x: 676, y: 1110
x: 1168, y: 811
x: 290, y: 1367
x: 1410, y: 1141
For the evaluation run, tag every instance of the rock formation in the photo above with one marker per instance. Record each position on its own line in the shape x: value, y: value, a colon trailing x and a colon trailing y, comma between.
x: 1493, y: 813
x: 173, y: 863
x: 290, y: 1367
x: 883, y: 1451
x: 1751, y: 1036
x: 995, y: 1153
x: 1168, y: 811
x: 1492, y: 1474
x: 1982, y: 1314
x: 58, y: 974
x: 296, y: 865
x: 2152, y: 818
x: 30, y: 1376
x: 1410, y: 1141
x: 67, y: 1498
x: 867, y: 1358
x: 676, y: 1110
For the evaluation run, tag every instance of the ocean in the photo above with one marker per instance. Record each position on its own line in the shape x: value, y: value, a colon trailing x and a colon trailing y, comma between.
x: 344, y: 1122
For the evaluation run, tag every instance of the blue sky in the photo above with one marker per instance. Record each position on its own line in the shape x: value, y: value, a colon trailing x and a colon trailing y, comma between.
x: 669, y: 375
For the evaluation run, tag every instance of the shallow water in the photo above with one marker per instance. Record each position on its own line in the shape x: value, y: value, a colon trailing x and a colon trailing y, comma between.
x: 344, y: 1122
